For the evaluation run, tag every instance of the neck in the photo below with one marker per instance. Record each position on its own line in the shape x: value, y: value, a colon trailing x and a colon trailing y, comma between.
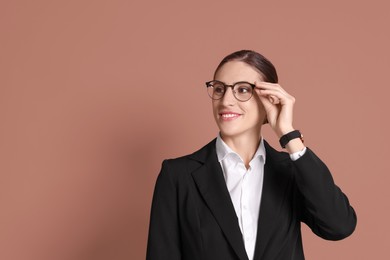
x: 245, y: 145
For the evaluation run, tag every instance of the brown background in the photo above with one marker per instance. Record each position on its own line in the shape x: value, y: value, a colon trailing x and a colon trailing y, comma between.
x: 95, y: 94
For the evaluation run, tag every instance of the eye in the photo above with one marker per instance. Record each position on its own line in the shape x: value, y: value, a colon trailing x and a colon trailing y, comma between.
x: 218, y: 89
x: 244, y: 89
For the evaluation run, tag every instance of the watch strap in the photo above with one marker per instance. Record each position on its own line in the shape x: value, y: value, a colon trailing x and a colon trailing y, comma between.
x: 290, y: 136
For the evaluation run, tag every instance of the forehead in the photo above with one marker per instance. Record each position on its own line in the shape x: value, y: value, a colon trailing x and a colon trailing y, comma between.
x: 234, y: 71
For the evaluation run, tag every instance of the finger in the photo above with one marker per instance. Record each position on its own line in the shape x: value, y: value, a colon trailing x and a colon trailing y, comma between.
x: 267, y: 104
x: 267, y: 99
x: 269, y: 86
x: 270, y: 108
x: 276, y: 94
x: 273, y: 99
x: 263, y: 86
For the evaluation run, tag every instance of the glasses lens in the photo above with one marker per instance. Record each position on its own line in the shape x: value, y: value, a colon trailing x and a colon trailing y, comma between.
x: 243, y: 91
x: 216, y: 90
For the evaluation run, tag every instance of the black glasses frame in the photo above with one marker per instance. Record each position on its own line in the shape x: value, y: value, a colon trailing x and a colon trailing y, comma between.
x: 210, y: 84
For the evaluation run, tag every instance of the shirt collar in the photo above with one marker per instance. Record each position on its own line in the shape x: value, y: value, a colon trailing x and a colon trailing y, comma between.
x: 223, y: 150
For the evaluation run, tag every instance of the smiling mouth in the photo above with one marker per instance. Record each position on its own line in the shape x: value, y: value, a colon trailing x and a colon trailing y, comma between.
x: 229, y: 116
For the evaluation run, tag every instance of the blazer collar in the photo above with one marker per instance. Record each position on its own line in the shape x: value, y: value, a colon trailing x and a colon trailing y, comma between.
x: 208, y: 152
x: 223, y: 150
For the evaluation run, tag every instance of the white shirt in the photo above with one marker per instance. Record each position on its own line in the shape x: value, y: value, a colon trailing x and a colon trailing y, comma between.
x: 245, y: 187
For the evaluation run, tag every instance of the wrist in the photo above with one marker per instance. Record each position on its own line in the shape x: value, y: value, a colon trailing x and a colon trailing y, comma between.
x: 295, y: 145
x: 291, y: 136
x: 284, y: 131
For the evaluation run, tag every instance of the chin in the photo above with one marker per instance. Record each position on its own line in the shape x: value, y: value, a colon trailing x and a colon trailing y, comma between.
x: 230, y: 132
x: 239, y: 131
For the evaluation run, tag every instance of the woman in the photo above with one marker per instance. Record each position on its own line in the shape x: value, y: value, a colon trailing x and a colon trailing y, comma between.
x: 237, y: 197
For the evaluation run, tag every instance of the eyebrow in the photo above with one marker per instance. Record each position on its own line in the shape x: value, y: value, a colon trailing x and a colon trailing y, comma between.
x: 234, y: 82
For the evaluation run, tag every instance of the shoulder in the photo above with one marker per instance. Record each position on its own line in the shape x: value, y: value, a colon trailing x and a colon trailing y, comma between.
x: 190, y: 162
x: 199, y: 156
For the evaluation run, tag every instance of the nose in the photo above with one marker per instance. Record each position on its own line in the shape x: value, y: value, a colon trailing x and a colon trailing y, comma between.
x: 228, y: 98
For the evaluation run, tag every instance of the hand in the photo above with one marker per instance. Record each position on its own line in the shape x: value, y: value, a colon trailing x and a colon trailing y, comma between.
x: 278, y: 105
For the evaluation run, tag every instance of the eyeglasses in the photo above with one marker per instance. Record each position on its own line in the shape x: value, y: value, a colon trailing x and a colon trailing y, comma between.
x: 242, y: 90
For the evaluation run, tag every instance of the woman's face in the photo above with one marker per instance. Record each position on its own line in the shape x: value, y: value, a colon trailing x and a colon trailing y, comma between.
x: 235, y: 118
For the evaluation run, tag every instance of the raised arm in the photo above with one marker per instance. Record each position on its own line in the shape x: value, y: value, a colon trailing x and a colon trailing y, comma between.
x: 326, y: 209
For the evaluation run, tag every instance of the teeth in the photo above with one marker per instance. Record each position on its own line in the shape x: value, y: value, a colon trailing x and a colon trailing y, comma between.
x: 229, y: 115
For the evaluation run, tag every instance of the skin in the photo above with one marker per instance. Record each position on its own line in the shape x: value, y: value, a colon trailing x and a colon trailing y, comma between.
x: 240, y: 122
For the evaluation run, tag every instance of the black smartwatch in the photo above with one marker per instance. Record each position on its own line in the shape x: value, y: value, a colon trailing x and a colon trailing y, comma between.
x: 290, y: 136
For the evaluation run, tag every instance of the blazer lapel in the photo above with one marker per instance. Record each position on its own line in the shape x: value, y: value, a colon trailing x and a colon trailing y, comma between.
x: 211, y: 184
x: 269, y: 205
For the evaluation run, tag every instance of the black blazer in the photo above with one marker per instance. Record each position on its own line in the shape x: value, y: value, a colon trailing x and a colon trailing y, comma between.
x: 193, y: 218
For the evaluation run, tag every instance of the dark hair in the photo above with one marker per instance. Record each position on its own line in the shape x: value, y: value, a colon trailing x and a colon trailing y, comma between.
x: 255, y: 60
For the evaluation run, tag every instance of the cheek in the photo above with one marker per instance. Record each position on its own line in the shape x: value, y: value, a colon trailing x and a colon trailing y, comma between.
x: 214, y: 106
x: 255, y: 110
x: 259, y: 106
x: 255, y: 106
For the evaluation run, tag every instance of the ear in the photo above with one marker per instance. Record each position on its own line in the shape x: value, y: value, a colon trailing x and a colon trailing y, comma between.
x: 265, y: 121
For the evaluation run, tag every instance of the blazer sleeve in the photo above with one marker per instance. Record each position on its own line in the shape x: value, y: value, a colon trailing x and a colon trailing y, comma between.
x: 164, y: 235
x: 326, y: 209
